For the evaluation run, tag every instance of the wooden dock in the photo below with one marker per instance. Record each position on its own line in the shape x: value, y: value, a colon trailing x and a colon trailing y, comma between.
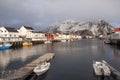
x: 25, y: 71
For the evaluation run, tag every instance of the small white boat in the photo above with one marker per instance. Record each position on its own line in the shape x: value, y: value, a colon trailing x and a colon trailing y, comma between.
x: 42, y: 68
x: 101, y: 69
x: 63, y: 40
x: 47, y: 42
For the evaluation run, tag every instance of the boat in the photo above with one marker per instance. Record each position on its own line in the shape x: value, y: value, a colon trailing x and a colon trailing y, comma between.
x: 4, y: 45
x: 107, y: 41
x: 27, y: 44
x: 63, y: 40
x: 101, y: 69
x: 42, y: 68
x: 47, y: 42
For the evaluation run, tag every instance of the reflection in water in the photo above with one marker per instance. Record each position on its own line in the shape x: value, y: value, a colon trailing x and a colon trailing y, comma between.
x: 8, y: 56
x: 104, y: 78
x: 116, y: 53
x: 73, y: 60
x: 4, y: 58
x: 50, y: 48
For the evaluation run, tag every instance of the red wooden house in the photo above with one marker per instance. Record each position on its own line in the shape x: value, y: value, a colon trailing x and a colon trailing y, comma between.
x: 49, y: 36
x: 117, y: 29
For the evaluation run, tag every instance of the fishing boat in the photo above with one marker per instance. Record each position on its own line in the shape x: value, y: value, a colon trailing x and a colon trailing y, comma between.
x: 4, y: 45
x: 27, y: 44
x: 101, y: 69
x: 42, y: 68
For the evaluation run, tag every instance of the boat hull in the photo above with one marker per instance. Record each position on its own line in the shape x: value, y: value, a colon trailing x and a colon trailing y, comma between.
x: 4, y: 47
x: 63, y: 40
x: 107, y: 41
x: 101, y: 69
x: 26, y: 44
x: 96, y: 70
x: 47, y: 42
x: 40, y: 71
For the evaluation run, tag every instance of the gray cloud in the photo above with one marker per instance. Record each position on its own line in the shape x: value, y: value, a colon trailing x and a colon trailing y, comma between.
x: 46, y: 12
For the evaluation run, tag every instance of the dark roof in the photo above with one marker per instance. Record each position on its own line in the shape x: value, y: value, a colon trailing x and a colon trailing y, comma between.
x: 27, y: 27
x: 10, y: 29
x: 35, y: 31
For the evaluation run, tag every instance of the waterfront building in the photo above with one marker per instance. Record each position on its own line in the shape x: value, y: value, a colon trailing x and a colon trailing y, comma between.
x: 49, y: 36
x: 117, y: 30
x: 38, y: 36
x: 26, y: 32
x: 116, y: 34
x: 77, y: 36
x: 9, y: 34
x: 29, y: 34
x: 89, y: 37
x: 61, y: 36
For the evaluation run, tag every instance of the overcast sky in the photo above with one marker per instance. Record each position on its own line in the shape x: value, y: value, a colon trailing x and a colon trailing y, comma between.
x: 41, y: 13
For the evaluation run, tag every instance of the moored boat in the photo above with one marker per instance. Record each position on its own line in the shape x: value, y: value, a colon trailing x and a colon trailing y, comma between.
x: 63, y: 40
x: 4, y: 46
x: 101, y: 69
x: 47, y: 41
x: 27, y: 43
x: 42, y: 68
x: 107, y: 41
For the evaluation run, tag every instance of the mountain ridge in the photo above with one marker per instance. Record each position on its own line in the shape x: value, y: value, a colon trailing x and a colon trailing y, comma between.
x: 83, y: 28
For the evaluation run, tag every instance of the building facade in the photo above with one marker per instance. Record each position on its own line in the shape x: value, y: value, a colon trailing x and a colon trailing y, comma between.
x: 9, y: 34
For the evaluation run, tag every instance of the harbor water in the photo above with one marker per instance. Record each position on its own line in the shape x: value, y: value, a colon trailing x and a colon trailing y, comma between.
x: 72, y: 61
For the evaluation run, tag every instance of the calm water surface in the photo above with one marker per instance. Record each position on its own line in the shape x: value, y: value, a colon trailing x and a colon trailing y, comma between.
x: 73, y: 60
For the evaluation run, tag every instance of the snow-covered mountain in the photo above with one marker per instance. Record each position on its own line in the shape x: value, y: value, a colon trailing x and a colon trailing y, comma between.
x: 83, y: 28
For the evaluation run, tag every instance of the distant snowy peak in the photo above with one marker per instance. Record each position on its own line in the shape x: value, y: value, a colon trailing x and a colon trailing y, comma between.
x: 94, y: 28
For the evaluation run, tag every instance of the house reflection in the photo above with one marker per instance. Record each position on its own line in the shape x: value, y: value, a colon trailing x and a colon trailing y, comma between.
x: 116, y: 53
x: 8, y: 56
x: 4, y: 59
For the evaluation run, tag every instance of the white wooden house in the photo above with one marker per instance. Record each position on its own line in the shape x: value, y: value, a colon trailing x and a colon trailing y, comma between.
x: 9, y: 34
x: 61, y: 36
x: 37, y: 36
x: 30, y: 34
x: 26, y: 31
